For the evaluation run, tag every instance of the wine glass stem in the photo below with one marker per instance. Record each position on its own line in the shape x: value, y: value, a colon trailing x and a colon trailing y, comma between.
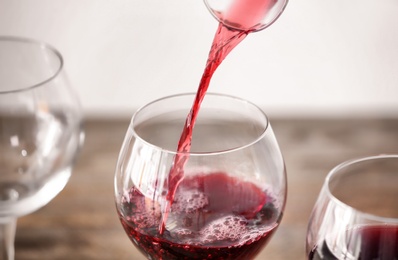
x: 7, y: 237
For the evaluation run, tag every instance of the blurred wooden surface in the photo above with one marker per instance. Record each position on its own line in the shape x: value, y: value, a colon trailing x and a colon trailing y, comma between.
x: 81, y: 222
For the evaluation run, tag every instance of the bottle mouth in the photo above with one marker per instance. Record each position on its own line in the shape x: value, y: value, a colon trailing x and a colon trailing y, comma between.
x: 259, y: 14
x: 26, y: 63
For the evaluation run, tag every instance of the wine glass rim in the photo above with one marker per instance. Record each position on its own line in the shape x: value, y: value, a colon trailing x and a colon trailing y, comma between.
x: 336, y: 169
x: 208, y: 153
x: 42, y: 45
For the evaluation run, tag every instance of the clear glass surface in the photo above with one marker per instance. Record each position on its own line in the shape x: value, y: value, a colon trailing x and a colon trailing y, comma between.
x: 40, y: 130
x: 233, y: 193
x: 356, y: 214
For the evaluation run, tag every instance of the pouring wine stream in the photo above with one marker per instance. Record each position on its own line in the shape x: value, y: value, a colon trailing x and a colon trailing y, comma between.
x: 237, y: 19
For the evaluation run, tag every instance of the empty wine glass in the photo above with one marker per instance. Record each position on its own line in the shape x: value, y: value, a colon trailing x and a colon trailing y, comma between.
x: 356, y: 214
x: 40, y: 131
x: 231, y: 198
x: 246, y: 15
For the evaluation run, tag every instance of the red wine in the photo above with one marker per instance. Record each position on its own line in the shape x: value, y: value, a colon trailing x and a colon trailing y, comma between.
x: 213, y: 216
x: 225, y: 40
x: 375, y: 242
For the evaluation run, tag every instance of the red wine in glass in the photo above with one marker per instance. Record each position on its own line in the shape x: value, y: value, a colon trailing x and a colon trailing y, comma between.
x: 204, y: 225
x: 233, y: 193
x: 375, y: 242
x: 356, y: 214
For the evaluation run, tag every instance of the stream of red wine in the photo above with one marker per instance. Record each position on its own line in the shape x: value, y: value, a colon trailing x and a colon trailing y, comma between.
x: 244, y: 12
x: 224, y: 41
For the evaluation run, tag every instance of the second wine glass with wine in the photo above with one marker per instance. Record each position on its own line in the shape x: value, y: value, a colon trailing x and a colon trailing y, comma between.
x: 356, y: 214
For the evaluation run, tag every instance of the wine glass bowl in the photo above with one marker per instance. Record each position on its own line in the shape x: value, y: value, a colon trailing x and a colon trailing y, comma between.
x: 246, y: 15
x: 40, y: 128
x: 232, y: 195
x: 356, y: 214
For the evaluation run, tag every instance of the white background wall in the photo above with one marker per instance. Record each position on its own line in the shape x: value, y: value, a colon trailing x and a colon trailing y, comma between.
x: 322, y: 57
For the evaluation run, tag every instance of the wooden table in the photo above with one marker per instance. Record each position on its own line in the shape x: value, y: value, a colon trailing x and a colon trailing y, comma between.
x: 81, y: 222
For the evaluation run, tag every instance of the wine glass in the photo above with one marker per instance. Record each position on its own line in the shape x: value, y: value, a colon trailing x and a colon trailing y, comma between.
x: 356, y: 214
x: 246, y: 15
x: 233, y: 191
x: 40, y: 131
